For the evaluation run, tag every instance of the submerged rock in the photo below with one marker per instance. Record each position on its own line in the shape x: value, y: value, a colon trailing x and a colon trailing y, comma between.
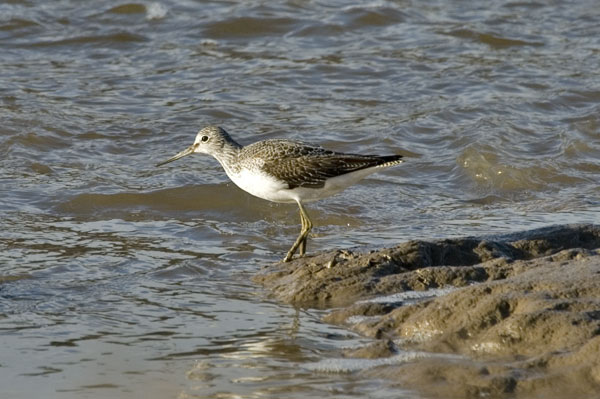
x: 521, y: 310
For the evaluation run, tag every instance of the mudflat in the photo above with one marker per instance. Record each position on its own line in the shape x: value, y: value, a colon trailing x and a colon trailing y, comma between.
x: 515, y: 315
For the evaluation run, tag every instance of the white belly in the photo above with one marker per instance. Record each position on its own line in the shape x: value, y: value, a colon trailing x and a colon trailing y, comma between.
x: 266, y: 187
x: 262, y: 185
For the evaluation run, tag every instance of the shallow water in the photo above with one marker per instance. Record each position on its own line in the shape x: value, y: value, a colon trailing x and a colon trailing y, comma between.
x: 119, y: 279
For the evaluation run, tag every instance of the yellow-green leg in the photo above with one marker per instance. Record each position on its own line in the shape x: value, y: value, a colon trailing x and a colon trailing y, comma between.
x: 306, y: 225
x: 300, y: 242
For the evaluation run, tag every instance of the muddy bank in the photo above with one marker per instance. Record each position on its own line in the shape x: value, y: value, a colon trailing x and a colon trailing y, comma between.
x: 521, y: 312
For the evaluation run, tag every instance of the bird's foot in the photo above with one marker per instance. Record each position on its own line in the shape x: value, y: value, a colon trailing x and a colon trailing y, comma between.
x: 288, y: 257
x: 299, y: 245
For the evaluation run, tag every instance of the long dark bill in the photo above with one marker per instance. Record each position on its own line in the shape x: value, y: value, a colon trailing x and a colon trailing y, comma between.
x: 187, y: 151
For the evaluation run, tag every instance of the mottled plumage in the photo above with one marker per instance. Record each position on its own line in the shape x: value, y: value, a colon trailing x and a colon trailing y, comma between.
x: 286, y: 170
x: 302, y: 165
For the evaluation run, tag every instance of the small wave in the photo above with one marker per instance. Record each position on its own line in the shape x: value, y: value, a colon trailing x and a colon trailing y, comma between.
x: 131, y: 8
x: 493, y: 40
x: 113, y: 39
x: 491, y: 170
x: 17, y: 23
x: 349, y: 365
x: 153, y: 11
x: 249, y: 27
x: 173, y: 201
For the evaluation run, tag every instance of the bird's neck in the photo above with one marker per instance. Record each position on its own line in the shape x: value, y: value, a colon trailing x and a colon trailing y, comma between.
x: 228, y: 156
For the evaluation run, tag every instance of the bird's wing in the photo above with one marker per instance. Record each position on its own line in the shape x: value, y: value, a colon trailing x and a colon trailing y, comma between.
x: 310, y: 166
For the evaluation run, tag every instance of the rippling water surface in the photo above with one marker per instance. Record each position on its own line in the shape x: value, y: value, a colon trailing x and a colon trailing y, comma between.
x: 119, y: 279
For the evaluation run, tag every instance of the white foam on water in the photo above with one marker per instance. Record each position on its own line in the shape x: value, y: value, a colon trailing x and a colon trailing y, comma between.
x: 156, y: 11
x: 410, y: 296
x: 362, y: 319
x: 349, y: 365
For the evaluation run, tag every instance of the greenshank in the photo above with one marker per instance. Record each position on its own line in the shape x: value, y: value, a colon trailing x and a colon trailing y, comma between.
x: 286, y: 171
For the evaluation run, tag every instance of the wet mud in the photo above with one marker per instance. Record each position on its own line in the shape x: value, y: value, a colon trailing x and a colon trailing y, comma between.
x: 520, y: 313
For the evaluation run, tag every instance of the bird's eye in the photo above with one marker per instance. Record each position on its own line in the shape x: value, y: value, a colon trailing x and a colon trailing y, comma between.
x: 204, y: 139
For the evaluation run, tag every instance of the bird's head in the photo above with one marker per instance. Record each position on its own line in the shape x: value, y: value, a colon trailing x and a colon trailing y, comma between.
x: 209, y: 140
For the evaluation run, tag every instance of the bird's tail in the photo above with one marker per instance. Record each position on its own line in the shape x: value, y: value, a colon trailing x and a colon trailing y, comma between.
x: 389, y: 160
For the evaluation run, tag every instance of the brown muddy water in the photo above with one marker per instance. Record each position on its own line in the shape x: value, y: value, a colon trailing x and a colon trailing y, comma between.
x: 119, y: 279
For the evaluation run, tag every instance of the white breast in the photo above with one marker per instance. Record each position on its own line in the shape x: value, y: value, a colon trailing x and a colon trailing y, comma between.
x: 262, y: 185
